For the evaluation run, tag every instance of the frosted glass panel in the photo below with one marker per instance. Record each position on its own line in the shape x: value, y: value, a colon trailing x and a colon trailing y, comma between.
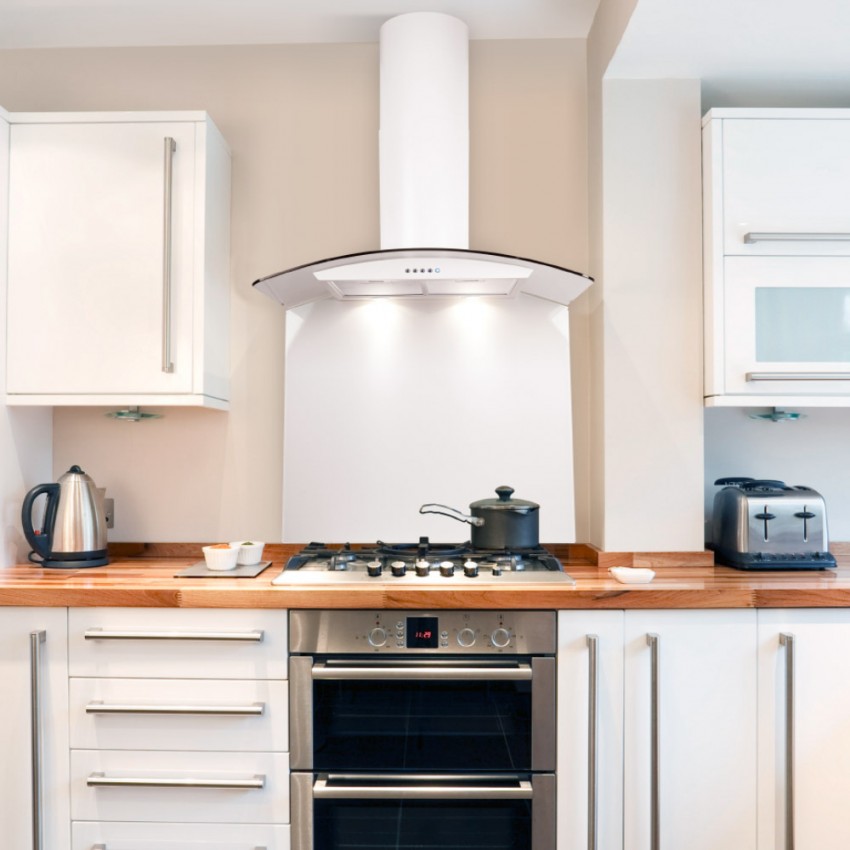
x: 803, y: 324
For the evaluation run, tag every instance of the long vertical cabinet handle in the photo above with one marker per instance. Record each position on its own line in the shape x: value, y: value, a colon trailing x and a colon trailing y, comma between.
x: 592, y: 740
x: 170, y: 147
x: 36, y: 640
x: 787, y: 640
x: 654, y: 799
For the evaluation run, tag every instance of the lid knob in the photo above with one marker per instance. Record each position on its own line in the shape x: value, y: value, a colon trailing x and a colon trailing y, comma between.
x: 504, y: 493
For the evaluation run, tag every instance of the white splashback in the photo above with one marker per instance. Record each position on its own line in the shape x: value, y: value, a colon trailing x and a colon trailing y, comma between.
x: 390, y: 404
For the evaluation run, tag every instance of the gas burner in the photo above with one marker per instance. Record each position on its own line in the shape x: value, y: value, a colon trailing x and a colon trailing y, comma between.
x: 421, y: 564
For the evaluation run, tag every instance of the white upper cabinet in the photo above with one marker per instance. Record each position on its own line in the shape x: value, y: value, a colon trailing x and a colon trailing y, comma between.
x: 118, y: 260
x: 777, y: 257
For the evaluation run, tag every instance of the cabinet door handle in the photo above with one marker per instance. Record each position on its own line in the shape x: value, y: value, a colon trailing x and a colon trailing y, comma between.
x: 101, y: 780
x: 787, y: 640
x: 112, y: 634
x: 36, y: 640
x: 254, y: 710
x: 592, y: 740
x: 798, y: 376
x: 104, y: 847
x: 654, y: 800
x: 170, y: 147
x: 752, y: 238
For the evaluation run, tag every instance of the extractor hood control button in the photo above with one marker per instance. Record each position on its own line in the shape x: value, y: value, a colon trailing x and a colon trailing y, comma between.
x: 466, y: 637
x: 374, y: 568
x: 422, y: 567
x: 378, y: 637
x: 447, y: 569
x: 501, y: 638
x: 470, y: 568
x: 399, y: 568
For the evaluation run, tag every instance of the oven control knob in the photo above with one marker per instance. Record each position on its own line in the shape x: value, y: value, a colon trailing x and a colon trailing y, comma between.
x: 374, y: 568
x: 470, y: 568
x: 378, y: 636
x: 447, y: 569
x: 422, y: 567
x: 399, y: 568
x: 466, y: 637
x: 501, y: 638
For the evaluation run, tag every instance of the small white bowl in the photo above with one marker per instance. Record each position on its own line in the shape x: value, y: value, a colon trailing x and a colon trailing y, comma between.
x: 221, y: 559
x: 632, y: 575
x: 250, y: 552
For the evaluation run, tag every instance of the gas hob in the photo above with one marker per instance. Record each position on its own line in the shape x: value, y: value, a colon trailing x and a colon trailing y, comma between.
x: 421, y: 564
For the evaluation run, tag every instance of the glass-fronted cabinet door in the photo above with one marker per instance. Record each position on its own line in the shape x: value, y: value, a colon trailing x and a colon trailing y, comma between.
x: 786, y: 326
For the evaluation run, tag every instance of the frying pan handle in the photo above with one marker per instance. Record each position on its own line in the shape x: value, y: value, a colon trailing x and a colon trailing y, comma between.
x: 445, y: 510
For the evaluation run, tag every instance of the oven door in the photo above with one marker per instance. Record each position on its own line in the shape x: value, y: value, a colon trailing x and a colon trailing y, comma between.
x: 407, y: 811
x: 401, y: 714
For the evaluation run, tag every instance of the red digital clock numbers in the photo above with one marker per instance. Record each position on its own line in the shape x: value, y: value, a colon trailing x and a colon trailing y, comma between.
x: 422, y: 632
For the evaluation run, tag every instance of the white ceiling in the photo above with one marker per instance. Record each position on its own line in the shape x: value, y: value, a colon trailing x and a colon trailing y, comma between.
x: 123, y: 23
x: 772, y: 45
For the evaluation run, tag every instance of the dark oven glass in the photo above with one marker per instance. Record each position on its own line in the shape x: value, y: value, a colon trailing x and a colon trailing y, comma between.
x: 409, y: 824
x: 399, y: 725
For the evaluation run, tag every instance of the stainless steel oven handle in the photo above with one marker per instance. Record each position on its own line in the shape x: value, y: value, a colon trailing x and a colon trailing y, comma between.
x: 405, y: 789
x: 431, y: 672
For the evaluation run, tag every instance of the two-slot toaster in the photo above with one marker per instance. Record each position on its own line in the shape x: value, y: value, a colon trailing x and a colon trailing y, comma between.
x: 767, y: 525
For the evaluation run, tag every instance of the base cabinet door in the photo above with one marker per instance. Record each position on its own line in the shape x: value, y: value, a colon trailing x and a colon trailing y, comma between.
x: 804, y: 729
x: 690, y: 730
x: 34, y: 794
x: 590, y: 730
x: 179, y: 836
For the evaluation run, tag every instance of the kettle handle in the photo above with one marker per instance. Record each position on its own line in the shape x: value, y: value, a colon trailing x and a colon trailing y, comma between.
x: 40, y: 542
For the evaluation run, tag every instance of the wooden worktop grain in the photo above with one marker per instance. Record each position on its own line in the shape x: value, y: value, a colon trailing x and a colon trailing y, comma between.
x: 144, y: 577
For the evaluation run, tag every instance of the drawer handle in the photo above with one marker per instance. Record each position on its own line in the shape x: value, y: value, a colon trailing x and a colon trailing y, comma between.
x: 254, y: 710
x: 798, y: 376
x: 101, y: 780
x: 111, y: 634
x: 104, y: 847
x: 752, y: 238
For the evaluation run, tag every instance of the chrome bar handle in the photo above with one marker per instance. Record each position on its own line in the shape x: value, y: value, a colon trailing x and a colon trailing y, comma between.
x: 113, y: 634
x: 787, y: 640
x: 431, y: 673
x: 36, y: 641
x: 592, y: 740
x: 752, y: 238
x: 797, y: 376
x: 654, y: 803
x: 254, y: 710
x: 406, y: 788
x: 170, y: 147
x: 103, y: 847
x: 100, y: 780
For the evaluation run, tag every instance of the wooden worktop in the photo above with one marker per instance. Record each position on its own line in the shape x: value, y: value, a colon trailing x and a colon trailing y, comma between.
x: 143, y: 576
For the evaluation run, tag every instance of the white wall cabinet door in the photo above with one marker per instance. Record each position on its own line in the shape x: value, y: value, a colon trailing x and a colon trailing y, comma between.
x: 590, y: 760
x: 91, y: 249
x: 18, y: 791
x: 820, y: 720
x: 697, y: 789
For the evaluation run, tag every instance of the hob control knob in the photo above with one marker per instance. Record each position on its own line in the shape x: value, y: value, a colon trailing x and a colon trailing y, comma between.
x: 399, y: 568
x: 470, y: 569
x: 500, y: 638
x: 466, y: 637
x: 374, y: 568
x: 378, y: 636
x: 497, y: 569
x: 447, y: 569
x: 422, y: 567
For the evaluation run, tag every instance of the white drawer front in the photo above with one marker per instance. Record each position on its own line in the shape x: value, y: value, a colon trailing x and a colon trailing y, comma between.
x: 176, y: 714
x: 139, y: 789
x: 185, y: 643
x: 178, y: 836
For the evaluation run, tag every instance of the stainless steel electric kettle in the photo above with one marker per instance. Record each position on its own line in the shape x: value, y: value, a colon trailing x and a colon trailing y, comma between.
x: 74, y: 530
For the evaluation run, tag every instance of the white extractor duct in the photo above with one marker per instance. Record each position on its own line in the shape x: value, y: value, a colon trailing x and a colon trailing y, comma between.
x: 424, y: 174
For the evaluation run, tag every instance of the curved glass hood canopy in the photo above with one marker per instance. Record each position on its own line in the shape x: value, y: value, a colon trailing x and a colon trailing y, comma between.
x: 424, y: 189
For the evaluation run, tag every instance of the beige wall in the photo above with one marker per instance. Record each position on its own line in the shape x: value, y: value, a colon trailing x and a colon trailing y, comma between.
x: 302, y: 125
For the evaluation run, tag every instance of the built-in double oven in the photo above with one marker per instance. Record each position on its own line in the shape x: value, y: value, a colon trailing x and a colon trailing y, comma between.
x: 412, y: 729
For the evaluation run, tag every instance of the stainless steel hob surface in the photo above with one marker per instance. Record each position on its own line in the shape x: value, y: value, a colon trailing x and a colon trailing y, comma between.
x: 421, y: 564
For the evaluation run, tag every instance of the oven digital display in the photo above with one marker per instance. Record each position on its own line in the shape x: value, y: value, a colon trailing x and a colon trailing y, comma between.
x: 422, y: 632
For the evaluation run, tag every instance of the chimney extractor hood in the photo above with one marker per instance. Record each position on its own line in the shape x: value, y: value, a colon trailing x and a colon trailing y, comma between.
x: 424, y: 189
